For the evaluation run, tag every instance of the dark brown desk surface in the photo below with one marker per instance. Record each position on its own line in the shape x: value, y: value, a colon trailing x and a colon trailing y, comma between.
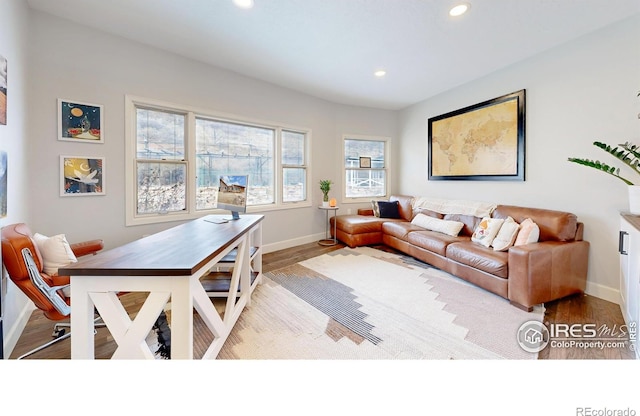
x: 178, y: 251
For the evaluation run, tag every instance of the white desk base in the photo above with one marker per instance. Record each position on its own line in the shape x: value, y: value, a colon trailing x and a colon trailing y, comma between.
x: 185, y: 294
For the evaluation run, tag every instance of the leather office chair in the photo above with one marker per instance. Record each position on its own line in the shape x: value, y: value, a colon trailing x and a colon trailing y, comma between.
x: 24, y: 264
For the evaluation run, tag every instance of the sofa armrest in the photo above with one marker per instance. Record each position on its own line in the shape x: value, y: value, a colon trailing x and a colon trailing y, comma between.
x: 86, y: 247
x: 545, y: 271
x: 364, y: 211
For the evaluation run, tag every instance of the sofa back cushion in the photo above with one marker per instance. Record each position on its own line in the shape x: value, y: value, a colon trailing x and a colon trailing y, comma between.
x: 470, y: 223
x: 404, y: 206
x: 554, y: 225
x: 426, y: 212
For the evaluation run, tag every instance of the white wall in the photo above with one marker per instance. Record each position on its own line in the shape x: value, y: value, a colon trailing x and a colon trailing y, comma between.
x: 13, y: 141
x: 577, y: 93
x: 74, y: 62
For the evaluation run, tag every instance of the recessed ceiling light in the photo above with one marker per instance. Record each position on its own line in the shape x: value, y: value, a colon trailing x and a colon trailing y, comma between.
x: 380, y: 73
x: 243, y: 4
x: 459, y: 10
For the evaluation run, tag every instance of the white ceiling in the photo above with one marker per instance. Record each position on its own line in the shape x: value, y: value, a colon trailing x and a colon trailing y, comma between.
x: 330, y: 48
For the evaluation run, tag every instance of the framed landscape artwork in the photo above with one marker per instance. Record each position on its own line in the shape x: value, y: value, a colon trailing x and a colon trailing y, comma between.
x: 365, y: 162
x: 82, y: 176
x: 485, y: 141
x: 80, y: 122
x: 3, y: 90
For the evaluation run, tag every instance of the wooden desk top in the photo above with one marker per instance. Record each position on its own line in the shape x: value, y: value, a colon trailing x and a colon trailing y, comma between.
x: 178, y: 251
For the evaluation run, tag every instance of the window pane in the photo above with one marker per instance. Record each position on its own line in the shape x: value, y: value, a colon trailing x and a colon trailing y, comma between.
x: 354, y: 149
x: 293, y: 148
x: 365, y: 183
x: 161, y: 187
x: 160, y: 134
x: 224, y: 148
x: 294, y: 184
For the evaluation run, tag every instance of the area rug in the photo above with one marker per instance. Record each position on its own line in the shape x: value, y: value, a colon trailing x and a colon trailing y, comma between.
x: 366, y: 303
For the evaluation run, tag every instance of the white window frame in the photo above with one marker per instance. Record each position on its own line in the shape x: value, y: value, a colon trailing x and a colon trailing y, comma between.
x: 387, y: 167
x: 133, y: 218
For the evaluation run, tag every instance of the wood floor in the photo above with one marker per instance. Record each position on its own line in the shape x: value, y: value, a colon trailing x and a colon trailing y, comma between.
x: 571, y: 310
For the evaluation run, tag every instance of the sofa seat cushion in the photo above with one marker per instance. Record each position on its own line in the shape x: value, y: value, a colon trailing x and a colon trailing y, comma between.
x: 399, y: 229
x: 433, y: 241
x: 479, y: 257
x: 358, y: 224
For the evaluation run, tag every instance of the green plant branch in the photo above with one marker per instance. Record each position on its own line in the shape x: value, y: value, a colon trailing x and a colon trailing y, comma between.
x: 627, y: 154
x: 611, y: 170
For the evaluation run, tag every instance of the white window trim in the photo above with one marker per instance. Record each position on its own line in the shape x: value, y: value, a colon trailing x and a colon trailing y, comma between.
x: 132, y: 218
x: 387, y: 166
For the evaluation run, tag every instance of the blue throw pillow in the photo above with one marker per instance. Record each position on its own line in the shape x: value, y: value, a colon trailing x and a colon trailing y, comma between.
x: 389, y: 209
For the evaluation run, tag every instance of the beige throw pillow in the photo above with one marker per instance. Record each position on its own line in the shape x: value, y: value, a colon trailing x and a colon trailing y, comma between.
x: 56, y: 252
x: 486, y: 231
x: 451, y: 228
x: 529, y: 233
x: 506, y: 236
x: 376, y: 208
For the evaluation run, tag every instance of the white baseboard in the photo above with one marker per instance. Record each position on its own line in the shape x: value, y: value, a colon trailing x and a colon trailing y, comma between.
x: 13, y: 334
x: 281, y: 245
x: 603, y: 292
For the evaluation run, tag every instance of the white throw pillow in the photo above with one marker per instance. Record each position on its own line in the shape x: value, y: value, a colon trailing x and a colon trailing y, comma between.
x: 376, y: 208
x: 486, y: 231
x: 448, y: 227
x: 529, y: 233
x: 56, y: 252
x: 506, y: 236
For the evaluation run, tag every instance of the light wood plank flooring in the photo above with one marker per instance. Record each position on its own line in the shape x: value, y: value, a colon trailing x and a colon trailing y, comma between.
x: 574, y: 309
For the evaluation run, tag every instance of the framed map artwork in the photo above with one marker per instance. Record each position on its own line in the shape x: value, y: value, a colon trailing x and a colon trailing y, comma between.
x: 485, y: 141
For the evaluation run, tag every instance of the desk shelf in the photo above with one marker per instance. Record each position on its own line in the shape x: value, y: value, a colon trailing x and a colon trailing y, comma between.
x: 216, y: 284
x: 231, y: 257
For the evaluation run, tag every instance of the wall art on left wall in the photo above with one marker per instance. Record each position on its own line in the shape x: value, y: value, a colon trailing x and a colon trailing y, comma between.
x: 3, y: 184
x: 80, y: 122
x: 81, y: 176
x: 3, y: 90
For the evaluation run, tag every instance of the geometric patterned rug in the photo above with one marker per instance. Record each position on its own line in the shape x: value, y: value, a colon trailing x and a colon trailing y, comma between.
x: 365, y: 303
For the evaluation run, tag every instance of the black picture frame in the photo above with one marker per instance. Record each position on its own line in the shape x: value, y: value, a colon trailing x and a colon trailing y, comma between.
x: 486, y: 140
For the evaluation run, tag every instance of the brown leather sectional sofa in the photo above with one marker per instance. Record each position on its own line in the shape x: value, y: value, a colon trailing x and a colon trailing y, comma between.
x: 526, y: 275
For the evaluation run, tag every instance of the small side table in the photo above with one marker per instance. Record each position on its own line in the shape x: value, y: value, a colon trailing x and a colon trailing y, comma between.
x: 329, y: 241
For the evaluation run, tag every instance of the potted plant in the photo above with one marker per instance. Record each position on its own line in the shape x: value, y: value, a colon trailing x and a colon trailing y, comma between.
x: 627, y: 153
x: 325, y: 187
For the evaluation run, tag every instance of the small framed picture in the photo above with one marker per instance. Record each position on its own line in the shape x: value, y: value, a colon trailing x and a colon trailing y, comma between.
x: 80, y: 122
x: 82, y: 176
x: 365, y: 162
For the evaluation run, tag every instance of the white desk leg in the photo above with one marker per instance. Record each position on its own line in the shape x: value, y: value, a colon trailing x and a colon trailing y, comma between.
x: 245, y: 266
x: 182, y: 317
x: 82, y: 341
